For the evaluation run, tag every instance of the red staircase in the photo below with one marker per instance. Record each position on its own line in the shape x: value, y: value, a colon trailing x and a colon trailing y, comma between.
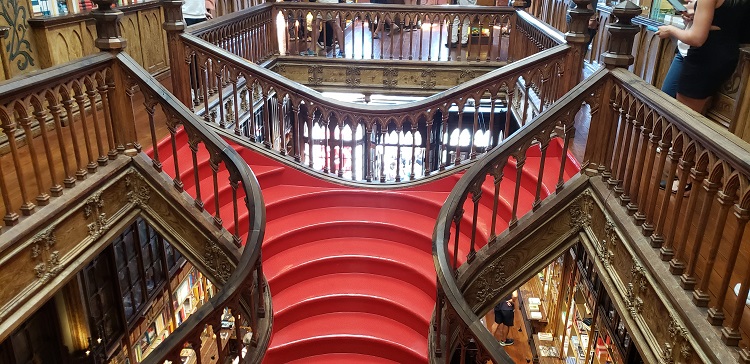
x: 350, y: 269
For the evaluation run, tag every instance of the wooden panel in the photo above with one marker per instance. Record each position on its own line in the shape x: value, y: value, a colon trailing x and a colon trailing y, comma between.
x: 152, y: 40
x: 129, y: 29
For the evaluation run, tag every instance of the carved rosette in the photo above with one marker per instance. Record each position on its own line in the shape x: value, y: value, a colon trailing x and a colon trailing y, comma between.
x: 93, y: 206
x: 466, y: 75
x: 428, y: 79
x: 490, y: 282
x: 580, y: 210
x: 217, y: 261
x: 138, y: 191
x: 47, y: 259
x: 390, y: 77
x: 315, y: 74
x: 353, y: 76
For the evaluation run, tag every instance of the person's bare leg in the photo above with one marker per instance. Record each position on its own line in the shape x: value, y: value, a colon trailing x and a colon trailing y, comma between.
x: 339, y: 34
x: 699, y: 105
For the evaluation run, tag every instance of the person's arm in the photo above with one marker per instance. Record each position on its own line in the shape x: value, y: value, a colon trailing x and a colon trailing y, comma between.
x: 210, y: 6
x: 697, y: 34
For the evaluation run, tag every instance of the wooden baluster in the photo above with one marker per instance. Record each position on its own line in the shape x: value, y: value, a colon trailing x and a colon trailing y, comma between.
x: 383, y: 131
x: 193, y: 142
x: 540, y: 179
x: 150, y: 105
x: 54, y: 108
x: 445, y: 138
x: 236, y: 99
x: 520, y: 161
x: 677, y: 264
x: 91, y: 93
x: 298, y: 126
x: 457, y: 159
x: 427, y: 139
x: 657, y: 238
x: 624, y: 156
x: 632, y: 156
x: 56, y: 189
x: 214, y: 162
x: 177, y: 180
x: 266, y: 119
x: 474, y: 129
x: 716, y: 313
x: 526, y: 101
x: 220, y: 347
x: 80, y: 100
x: 645, y: 181
x: 220, y: 105
x: 688, y: 279
x: 104, y: 90
x: 508, y: 104
x: 368, y: 151
x: 497, y: 178
x: 570, y: 133
x: 457, y: 221
x: 726, y: 199
x: 438, y: 323
x: 432, y: 19
x: 730, y: 334
x: 281, y: 115
x: 622, y: 121
x: 665, y: 144
x: 399, y: 130
x: 262, y: 287
x: 413, y: 149
x: 27, y: 207
x: 328, y: 148
x: 68, y: 105
x: 640, y: 151
x: 310, y: 139
x: 476, y: 195
x: 341, y: 148
x: 667, y: 251
x: 353, y: 149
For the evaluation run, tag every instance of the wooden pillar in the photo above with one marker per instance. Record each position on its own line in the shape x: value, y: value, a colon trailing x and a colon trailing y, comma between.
x: 577, y: 36
x: 621, y: 36
x: 109, y: 39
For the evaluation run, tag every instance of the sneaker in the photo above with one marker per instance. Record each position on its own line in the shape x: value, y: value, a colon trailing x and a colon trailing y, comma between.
x: 321, y: 44
x: 308, y: 52
x: 507, y: 342
x: 340, y: 54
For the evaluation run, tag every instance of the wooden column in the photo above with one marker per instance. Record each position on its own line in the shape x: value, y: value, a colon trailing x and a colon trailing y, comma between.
x: 577, y: 36
x: 621, y: 36
x: 109, y: 38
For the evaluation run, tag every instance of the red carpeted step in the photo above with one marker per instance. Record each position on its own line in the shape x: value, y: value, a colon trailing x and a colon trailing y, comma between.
x: 343, y: 358
x: 345, y: 332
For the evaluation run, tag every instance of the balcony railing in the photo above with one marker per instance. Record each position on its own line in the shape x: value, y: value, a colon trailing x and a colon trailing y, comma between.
x: 639, y: 139
x: 259, y: 106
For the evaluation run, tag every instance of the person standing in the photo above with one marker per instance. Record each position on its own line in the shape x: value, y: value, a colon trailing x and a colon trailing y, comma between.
x: 334, y: 22
x: 196, y: 11
x: 505, y: 313
x: 714, y: 40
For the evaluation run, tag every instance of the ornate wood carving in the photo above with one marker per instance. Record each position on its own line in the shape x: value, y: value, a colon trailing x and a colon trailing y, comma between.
x: 217, y: 261
x: 43, y: 251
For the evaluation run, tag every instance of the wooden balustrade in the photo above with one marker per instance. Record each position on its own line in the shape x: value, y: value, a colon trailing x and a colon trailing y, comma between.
x: 260, y: 106
x: 60, y: 119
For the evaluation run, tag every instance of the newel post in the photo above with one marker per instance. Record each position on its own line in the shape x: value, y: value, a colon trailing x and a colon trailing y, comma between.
x: 109, y: 39
x: 621, y: 36
x: 175, y: 25
x: 517, y: 43
x: 578, y: 37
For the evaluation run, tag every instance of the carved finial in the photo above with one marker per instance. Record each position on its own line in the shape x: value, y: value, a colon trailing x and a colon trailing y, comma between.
x: 173, y: 21
x: 108, y: 35
x: 621, y: 35
x: 579, y: 22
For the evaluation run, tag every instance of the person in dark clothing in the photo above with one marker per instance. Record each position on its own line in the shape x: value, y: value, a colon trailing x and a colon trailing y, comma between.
x: 714, y: 40
x: 505, y: 312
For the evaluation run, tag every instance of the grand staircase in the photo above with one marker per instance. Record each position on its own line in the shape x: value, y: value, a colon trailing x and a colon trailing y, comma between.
x: 350, y: 268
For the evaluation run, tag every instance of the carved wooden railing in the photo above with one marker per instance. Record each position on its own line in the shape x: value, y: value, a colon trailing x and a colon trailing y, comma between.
x: 291, y: 114
x: 455, y: 325
x: 637, y: 141
x: 93, y: 121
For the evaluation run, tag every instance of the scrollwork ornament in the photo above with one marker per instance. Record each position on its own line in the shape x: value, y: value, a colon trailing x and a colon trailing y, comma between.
x: 666, y: 353
x: 315, y: 74
x: 639, y: 276
x: 580, y: 210
x: 217, y: 261
x: 636, y: 306
x: 15, y: 14
x: 139, y: 193
x: 42, y: 252
x: 390, y: 77
x: 428, y: 79
x: 353, y: 76
x: 491, y: 282
x: 686, y: 351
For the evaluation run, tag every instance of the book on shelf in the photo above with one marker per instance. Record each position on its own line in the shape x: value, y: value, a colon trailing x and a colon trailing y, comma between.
x: 535, y: 301
x: 545, y: 336
x: 535, y: 315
